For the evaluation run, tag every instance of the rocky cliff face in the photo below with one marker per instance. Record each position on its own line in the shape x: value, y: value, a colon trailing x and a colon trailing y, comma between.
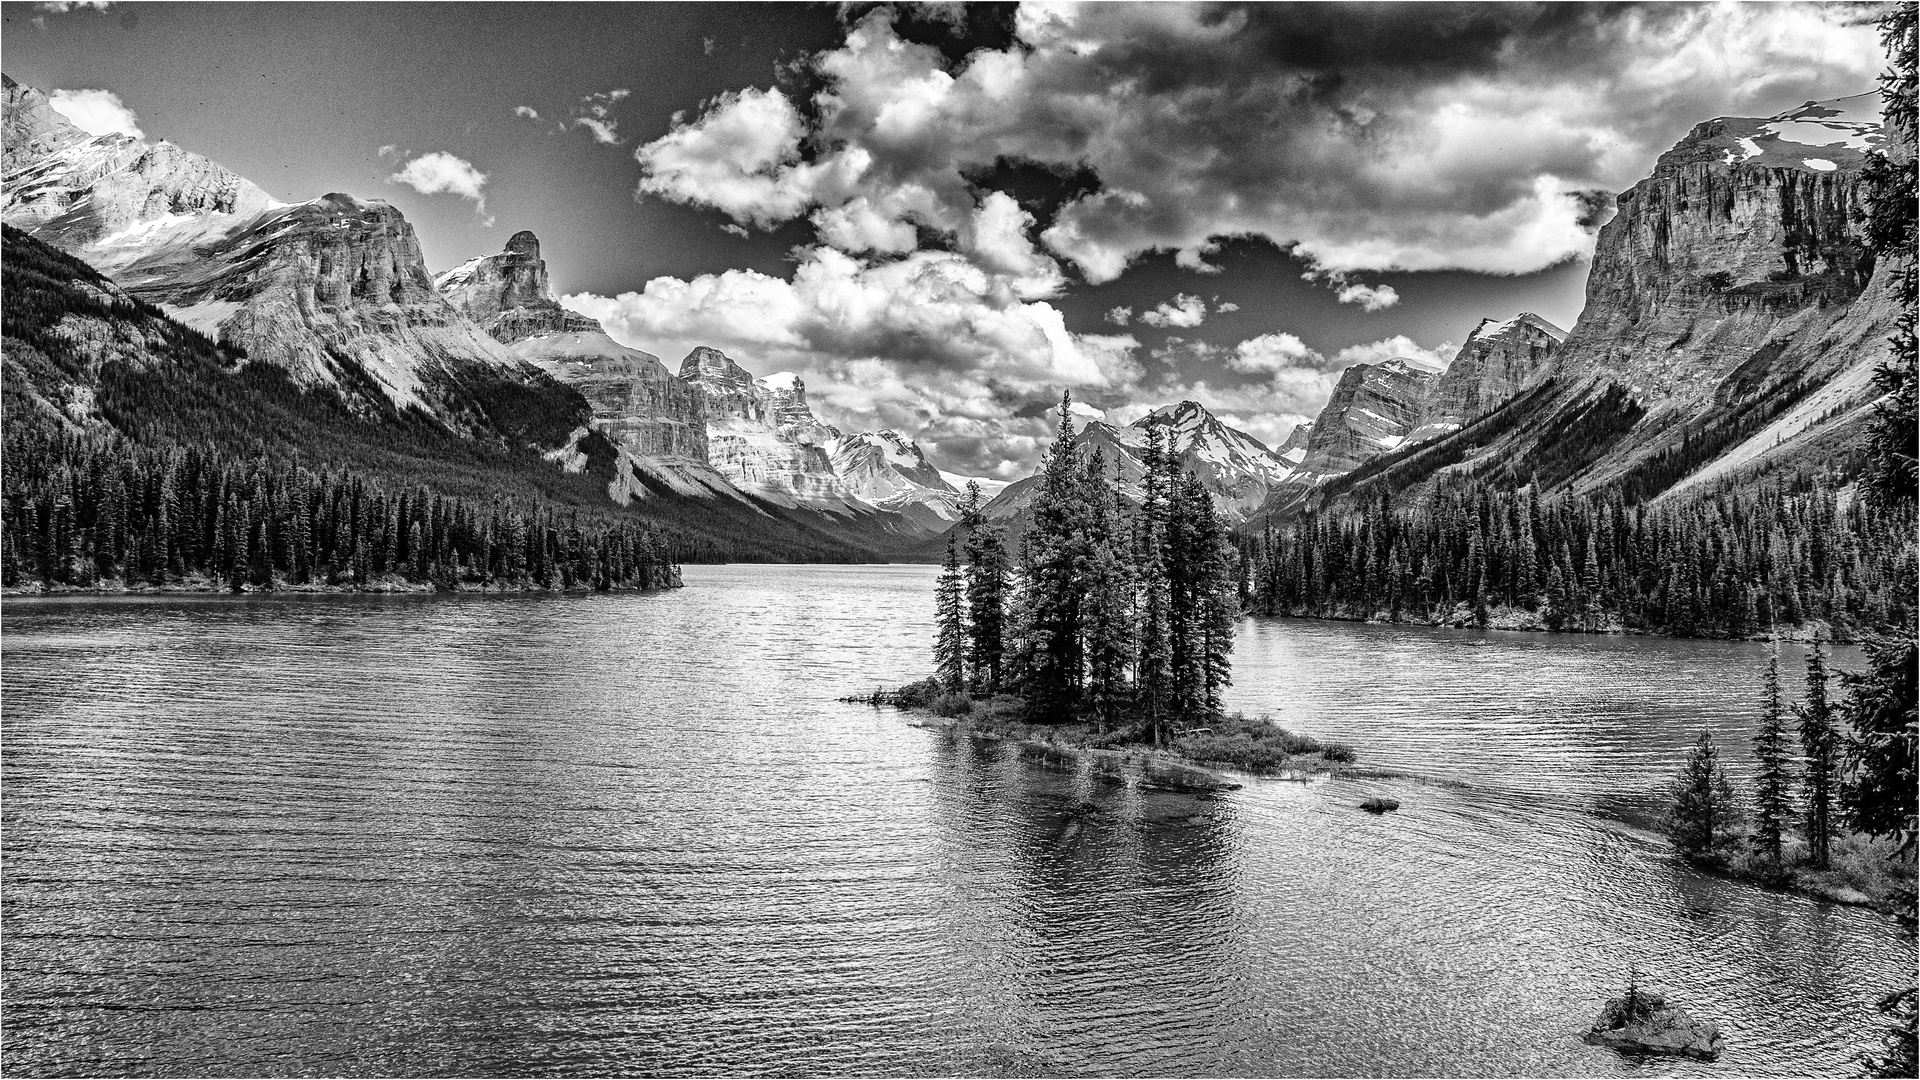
x: 762, y: 435
x: 508, y: 294
x: 113, y: 199
x: 33, y: 130
x: 636, y: 401
x: 334, y: 290
x: 1371, y: 412
x: 1733, y: 319
x: 1498, y: 360
x: 1744, y: 233
x: 887, y: 469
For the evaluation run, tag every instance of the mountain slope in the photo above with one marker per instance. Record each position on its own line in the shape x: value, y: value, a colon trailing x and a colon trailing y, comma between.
x: 1731, y: 290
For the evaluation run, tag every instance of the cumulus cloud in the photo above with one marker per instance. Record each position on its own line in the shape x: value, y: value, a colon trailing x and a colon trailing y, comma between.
x: 1361, y: 138
x: 61, y: 7
x: 1392, y: 137
x: 1183, y: 311
x: 595, y: 113
x: 1226, y: 306
x: 1398, y: 347
x: 730, y: 227
x: 526, y: 112
x: 1369, y: 297
x: 96, y: 112
x: 442, y: 173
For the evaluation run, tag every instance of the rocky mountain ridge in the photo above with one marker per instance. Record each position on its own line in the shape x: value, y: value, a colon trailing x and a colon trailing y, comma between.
x: 1733, y: 319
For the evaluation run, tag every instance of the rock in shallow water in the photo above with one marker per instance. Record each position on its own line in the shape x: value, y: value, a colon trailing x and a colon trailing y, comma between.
x: 1650, y: 1026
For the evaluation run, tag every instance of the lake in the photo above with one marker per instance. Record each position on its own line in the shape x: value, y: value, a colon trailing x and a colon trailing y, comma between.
x: 637, y: 834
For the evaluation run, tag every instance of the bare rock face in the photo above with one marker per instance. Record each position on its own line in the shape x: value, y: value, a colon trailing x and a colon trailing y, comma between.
x: 508, y: 294
x: 636, y: 401
x: 1498, y: 360
x: 334, y: 290
x: 1744, y: 233
x: 762, y: 435
x: 888, y: 470
x: 33, y: 129
x: 113, y: 199
x: 1371, y: 412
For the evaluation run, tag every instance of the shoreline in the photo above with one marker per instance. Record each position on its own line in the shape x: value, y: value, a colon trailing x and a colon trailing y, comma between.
x: 391, y: 586
x: 1515, y: 620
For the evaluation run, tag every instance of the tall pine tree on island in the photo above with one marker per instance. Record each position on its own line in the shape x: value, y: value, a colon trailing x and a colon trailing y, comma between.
x: 986, y: 594
x: 1772, y: 783
x: 1122, y: 616
x: 950, y: 614
x: 1820, y: 746
x: 1703, y: 807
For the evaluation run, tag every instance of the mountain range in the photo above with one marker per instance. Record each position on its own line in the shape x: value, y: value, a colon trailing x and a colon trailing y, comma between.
x: 1732, y: 322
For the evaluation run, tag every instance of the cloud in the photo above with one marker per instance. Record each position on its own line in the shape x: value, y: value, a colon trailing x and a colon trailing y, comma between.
x: 1391, y: 137
x: 526, y: 112
x: 61, y: 7
x: 1271, y: 353
x: 1183, y: 310
x: 706, y: 46
x: 730, y: 227
x: 442, y: 173
x: 1226, y: 306
x: 1369, y: 297
x: 1399, y: 347
x: 1361, y: 138
x: 96, y: 112
x: 595, y: 114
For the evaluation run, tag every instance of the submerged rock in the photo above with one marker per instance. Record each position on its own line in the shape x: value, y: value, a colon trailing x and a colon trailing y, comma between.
x: 1646, y: 1024
x: 1380, y: 804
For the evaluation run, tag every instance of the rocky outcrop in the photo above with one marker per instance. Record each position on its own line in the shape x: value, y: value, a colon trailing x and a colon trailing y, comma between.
x: 1744, y: 234
x: 762, y: 435
x: 887, y: 469
x: 1643, y: 1023
x: 33, y: 129
x: 636, y: 401
x: 113, y: 199
x: 1498, y: 360
x: 509, y: 295
x: 1373, y: 409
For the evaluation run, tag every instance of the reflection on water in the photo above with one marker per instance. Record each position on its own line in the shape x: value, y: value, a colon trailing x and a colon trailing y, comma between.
x: 635, y: 834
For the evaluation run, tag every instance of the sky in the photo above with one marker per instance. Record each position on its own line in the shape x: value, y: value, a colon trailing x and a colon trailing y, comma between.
x: 943, y: 215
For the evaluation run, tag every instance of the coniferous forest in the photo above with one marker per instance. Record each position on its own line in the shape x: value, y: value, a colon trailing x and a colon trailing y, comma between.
x: 1123, y: 616
x: 82, y: 512
x: 1733, y: 562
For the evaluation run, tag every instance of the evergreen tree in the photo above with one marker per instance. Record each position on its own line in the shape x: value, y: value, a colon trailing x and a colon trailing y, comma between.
x: 1772, y: 782
x: 986, y: 594
x: 1820, y: 745
x: 950, y: 604
x: 1703, y: 809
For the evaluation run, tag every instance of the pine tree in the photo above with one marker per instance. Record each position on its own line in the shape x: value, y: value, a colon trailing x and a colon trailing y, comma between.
x: 986, y: 594
x: 950, y: 616
x: 1771, y: 783
x: 1703, y: 808
x: 1820, y: 745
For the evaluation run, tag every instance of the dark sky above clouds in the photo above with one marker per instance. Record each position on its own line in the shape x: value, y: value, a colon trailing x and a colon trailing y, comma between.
x: 942, y: 214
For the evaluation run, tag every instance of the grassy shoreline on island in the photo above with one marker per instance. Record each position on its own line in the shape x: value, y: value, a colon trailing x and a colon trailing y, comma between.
x: 1235, y: 742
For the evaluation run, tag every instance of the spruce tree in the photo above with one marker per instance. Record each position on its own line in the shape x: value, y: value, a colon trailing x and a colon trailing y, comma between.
x: 986, y: 594
x: 1820, y: 745
x: 1772, y: 782
x: 1703, y: 808
x: 950, y: 618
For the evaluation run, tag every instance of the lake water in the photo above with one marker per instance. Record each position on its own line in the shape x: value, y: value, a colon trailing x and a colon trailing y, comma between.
x: 636, y: 834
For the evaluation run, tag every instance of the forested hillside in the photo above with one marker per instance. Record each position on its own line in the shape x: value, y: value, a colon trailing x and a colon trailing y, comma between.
x: 85, y: 361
